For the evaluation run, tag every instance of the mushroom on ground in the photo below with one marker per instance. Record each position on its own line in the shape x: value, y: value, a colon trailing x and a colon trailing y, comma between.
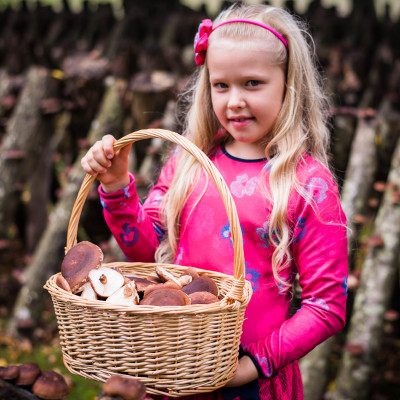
x: 80, y: 259
x: 126, y: 388
x: 166, y: 297
x: 127, y: 295
x: 10, y: 372
x: 105, y: 281
x: 201, y: 284
x: 50, y: 386
x: 202, y: 298
x: 28, y: 372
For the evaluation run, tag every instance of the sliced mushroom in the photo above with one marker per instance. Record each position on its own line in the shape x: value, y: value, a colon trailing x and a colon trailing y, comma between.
x: 166, y: 276
x: 202, y: 298
x: 141, y: 283
x: 80, y: 259
x: 127, y: 295
x: 28, y: 372
x: 166, y: 297
x: 87, y: 292
x: 50, y: 385
x: 105, y: 281
x: 127, y: 388
x: 201, y: 284
x: 62, y: 283
x: 10, y: 372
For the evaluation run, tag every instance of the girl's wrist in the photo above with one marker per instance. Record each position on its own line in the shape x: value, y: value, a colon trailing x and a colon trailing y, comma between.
x: 115, y: 185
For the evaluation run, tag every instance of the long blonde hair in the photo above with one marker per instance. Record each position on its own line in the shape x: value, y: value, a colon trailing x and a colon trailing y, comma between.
x: 300, y: 127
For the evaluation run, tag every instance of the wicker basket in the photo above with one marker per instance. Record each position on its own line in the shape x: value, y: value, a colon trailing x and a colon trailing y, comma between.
x: 175, y: 351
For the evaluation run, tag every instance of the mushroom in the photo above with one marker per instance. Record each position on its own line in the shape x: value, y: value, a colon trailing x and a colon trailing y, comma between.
x: 126, y: 295
x: 62, y: 283
x: 105, y: 281
x: 191, y: 272
x: 10, y: 372
x: 166, y: 276
x: 201, y: 284
x: 158, y: 286
x: 126, y: 388
x: 50, y: 386
x: 87, y: 292
x: 28, y: 372
x: 166, y: 297
x: 202, y: 298
x: 80, y: 259
x: 141, y: 283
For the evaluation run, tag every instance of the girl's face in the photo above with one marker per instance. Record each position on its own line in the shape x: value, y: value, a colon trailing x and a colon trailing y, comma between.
x: 247, y: 91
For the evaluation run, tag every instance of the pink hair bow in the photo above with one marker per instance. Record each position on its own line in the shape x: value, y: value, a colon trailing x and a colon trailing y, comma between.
x: 201, y: 41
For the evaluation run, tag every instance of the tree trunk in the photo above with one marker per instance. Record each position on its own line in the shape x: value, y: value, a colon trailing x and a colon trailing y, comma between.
x: 373, y: 296
x: 23, y: 144
x: 50, y: 251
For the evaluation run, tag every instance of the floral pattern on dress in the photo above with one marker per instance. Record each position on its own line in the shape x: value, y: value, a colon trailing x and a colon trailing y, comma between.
x: 316, y: 189
x: 227, y: 234
x: 130, y: 235
x: 303, y: 229
x: 243, y: 186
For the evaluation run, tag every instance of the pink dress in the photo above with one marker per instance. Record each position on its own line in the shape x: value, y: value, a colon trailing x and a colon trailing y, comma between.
x: 319, y: 248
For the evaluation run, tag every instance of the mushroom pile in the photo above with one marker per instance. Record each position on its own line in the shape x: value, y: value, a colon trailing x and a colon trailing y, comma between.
x: 83, y: 274
x: 47, y: 384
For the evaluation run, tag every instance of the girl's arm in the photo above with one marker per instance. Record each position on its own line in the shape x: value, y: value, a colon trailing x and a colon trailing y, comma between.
x: 136, y: 227
x: 319, y: 249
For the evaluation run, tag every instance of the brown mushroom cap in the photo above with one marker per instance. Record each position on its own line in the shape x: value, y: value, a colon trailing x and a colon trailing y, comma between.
x: 202, y: 298
x: 62, y: 283
x: 201, y: 284
x: 50, y: 386
x: 10, y: 372
x: 79, y: 261
x: 166, y: 297
x: 127, y: 388
x: 28, y: 372
x: 158, y: 286
x: 191, y: 272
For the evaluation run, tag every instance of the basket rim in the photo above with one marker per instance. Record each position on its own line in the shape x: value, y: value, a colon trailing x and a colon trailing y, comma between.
x: 226, y: 303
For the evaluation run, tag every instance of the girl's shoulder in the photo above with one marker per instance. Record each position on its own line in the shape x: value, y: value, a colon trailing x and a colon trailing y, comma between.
x: 311, y: 169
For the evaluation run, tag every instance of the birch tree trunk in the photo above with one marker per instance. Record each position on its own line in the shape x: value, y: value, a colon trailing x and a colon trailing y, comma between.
x: 373, y: 296
x: 50, y: 250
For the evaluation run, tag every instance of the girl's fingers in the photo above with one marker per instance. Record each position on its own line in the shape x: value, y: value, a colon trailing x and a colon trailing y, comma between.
x: 108, y: 146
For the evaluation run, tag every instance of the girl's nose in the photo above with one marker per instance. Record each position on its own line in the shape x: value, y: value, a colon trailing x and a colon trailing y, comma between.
x: 236, y: 100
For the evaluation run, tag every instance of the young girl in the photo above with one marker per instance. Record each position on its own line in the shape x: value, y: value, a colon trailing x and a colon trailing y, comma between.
x: 257, y: 110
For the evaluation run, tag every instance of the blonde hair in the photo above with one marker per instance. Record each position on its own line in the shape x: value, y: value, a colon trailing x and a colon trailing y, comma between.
x: 300, y: 126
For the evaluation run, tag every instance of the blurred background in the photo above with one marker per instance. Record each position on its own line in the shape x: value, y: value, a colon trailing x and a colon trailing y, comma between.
x: 72, y: 71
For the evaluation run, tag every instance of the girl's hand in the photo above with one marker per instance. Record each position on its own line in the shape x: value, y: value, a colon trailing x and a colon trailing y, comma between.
x: 110, y: 167
x: 246, y: 372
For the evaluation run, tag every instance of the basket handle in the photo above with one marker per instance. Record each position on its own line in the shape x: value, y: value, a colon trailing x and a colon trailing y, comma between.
x: 201, y: 157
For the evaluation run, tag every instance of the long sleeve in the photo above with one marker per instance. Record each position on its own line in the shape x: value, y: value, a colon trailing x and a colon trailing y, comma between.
x: 319, y: 250
x: 137, y: 227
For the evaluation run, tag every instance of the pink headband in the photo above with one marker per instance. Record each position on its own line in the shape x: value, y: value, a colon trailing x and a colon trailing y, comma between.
x: 206, y: 28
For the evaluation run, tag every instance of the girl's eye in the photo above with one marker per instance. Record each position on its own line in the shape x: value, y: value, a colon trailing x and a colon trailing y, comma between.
x: 253, y: 82
x: 220, y: 85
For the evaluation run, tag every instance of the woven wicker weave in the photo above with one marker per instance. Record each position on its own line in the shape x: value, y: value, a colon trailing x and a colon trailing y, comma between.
x: 175, y: 351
